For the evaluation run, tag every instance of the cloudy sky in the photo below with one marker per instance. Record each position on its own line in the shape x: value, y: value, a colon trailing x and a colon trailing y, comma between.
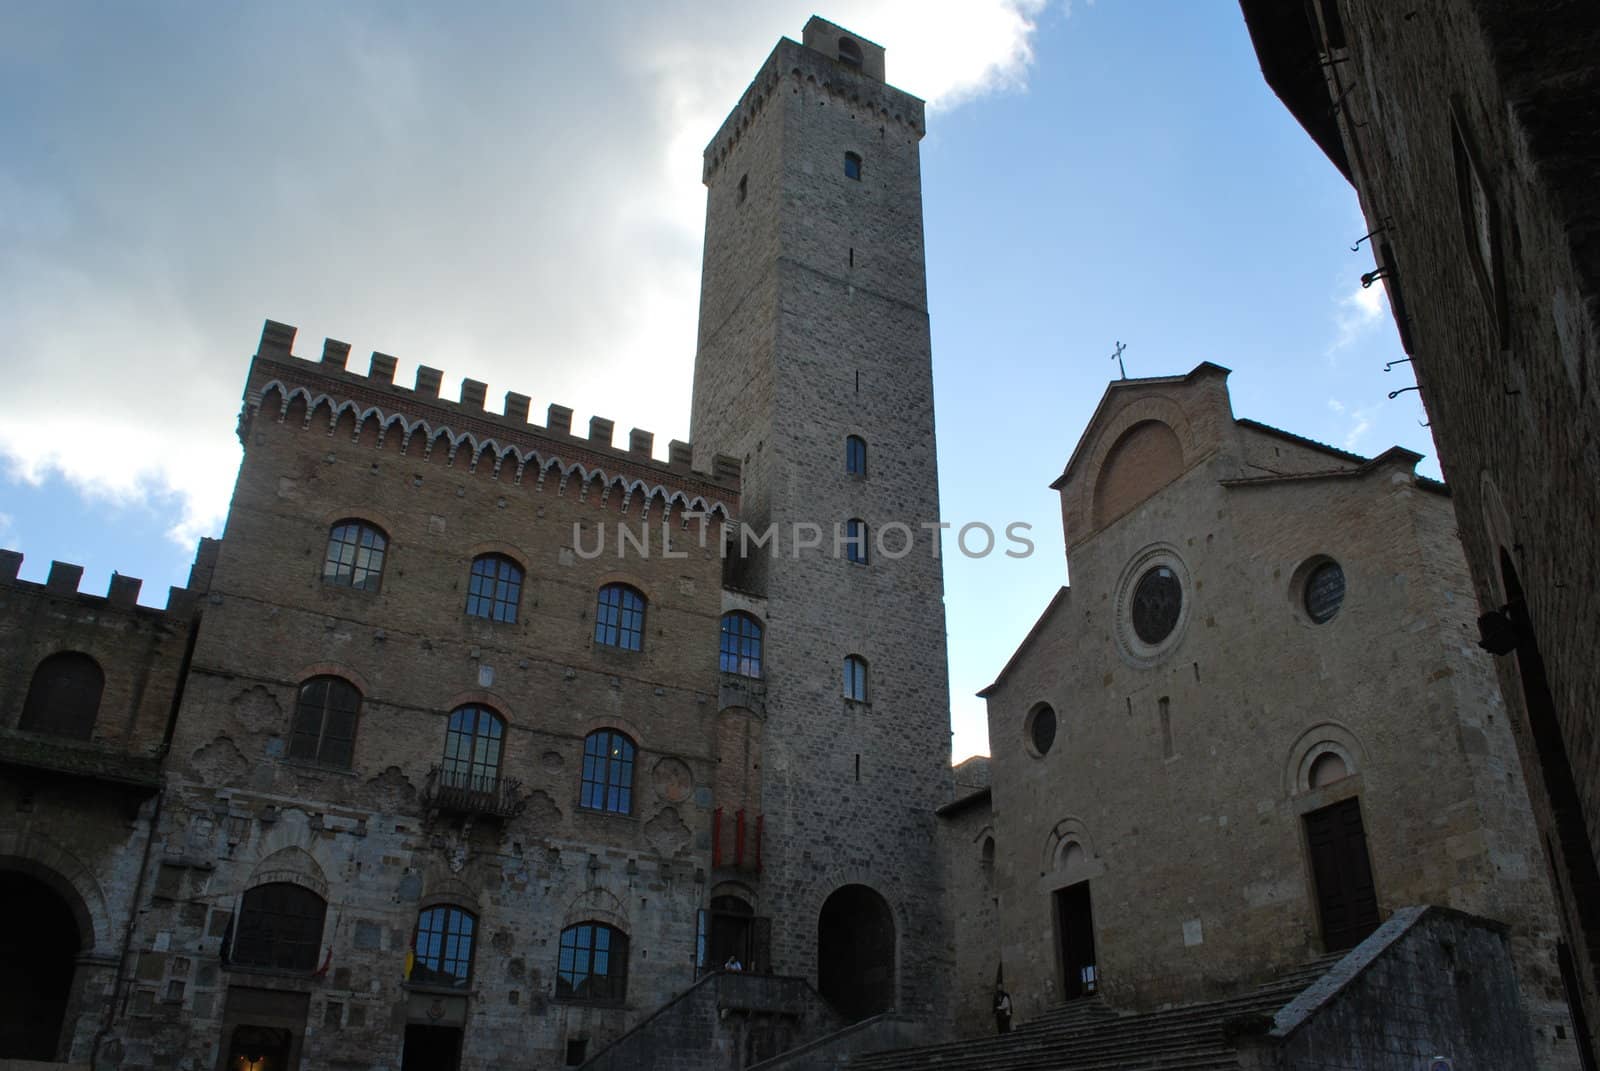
x: 510, y: 192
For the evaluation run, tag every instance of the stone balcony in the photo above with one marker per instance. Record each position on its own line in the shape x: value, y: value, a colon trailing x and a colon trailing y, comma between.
x: 53, y: 757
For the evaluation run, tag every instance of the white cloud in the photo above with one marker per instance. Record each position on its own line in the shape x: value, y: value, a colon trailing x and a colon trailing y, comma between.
x: 512, y: 199
x: 1358, y: 311
x: 1360, y: 424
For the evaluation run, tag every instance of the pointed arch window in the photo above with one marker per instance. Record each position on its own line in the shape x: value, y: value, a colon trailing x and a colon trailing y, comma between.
x: 64, y: 696
x: 593, y: 963
x: 741, y: 644
x: 855, y: 456
x: 280, y: 926
x: 619, y: 617
x: 855, y: 678
x: 325, y: 717
x: 444, y: 947
x: 607, y: 772
x: 472, y: 750
x: 355, y: 555
x: 495, y: 588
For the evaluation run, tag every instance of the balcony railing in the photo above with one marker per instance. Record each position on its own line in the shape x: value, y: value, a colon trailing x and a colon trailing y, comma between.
x: 82, y: 759
x: 451, y: 791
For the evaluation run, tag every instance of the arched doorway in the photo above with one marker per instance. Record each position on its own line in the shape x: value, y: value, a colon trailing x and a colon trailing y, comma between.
x: 855, y: 952
x: 36, y: 972
x: 731, y: 925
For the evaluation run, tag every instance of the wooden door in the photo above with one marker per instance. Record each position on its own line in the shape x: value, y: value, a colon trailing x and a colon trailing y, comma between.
x: 1346, y: 898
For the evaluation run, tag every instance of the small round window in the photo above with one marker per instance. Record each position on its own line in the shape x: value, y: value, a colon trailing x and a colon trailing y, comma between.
x: 1157, y: 602
x: 1041, y: 728
x: 1324, y: 592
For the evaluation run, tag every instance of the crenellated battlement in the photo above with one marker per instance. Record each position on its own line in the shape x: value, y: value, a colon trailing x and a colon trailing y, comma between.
x: 793, y: 66
x: 326, y: 390
x: 65, y: 580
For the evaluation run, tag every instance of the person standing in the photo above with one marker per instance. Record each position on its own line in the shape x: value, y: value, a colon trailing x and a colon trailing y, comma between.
x: 1002, y: 1010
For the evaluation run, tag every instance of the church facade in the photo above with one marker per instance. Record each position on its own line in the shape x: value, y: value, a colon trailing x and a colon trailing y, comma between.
x: 1254, y: 726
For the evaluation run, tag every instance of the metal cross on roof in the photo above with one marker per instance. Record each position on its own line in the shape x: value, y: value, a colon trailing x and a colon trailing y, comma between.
x: 1117, y: 356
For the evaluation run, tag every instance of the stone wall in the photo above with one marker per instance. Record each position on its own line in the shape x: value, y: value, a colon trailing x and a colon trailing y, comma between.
x: 966, y: 831
x: 1430, y: 985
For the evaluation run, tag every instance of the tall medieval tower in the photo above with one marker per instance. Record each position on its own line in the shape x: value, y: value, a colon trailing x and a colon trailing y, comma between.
x: 814, y: 370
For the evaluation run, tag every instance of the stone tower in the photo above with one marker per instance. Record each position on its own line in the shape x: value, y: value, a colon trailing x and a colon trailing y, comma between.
x: 813, y: 369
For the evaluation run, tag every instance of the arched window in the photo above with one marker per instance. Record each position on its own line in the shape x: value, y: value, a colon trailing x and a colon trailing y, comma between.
x: 593, y: 965
x: 280, y: 926
x: 607, y: 772
x: 355, y: 555
x: 494, y: 588
x: 855, y: 540
x: 855, y: 455
x: 852, y: 166
x: 855, y: 678
x: 849, y: 52
x: 325, y: 722
x: 64, y: 696
x: 619, y: 617
x: 1327, y: 768
x: 741, y: 644
x: 472, y: 750
x: 444, y: 947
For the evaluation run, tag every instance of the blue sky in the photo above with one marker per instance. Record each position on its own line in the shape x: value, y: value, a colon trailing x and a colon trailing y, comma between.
x: 512, y: 194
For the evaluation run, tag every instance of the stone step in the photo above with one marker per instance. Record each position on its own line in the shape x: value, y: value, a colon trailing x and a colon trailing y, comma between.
x: 1130, y: 1050
x: 1086, y: 1035
x: 1209, y: 1058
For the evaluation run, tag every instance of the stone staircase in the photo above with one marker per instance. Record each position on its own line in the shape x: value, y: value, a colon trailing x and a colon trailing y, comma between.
x: 1086, y: 1035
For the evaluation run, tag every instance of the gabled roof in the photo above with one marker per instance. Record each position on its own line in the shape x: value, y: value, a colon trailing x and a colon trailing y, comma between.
x: 1394, y: 455
x: 1027, y: 641
x: 1301, y: 440
x: 1203, y: 368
